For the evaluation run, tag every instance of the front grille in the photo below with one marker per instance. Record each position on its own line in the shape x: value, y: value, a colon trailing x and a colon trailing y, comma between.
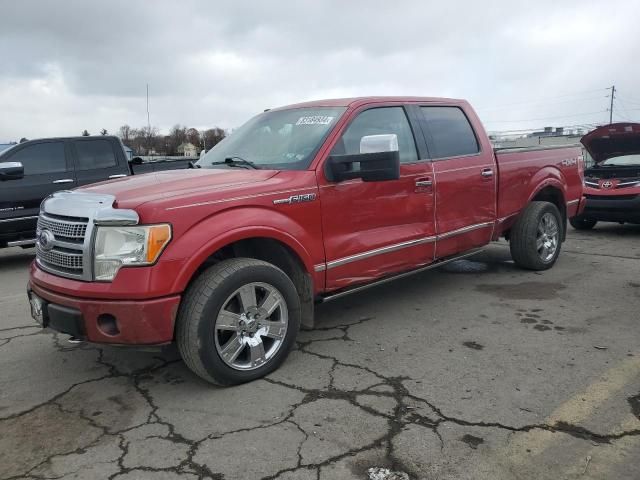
x: 61, y: 259
x: 65, y: 255
x: 74, y: 230
x: 623, y: 182
x: 611, y: 197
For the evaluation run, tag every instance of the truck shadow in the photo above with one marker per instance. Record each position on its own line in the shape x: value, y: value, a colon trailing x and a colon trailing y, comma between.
x: 403, y: 293
x: 616, y: 230
x: 15, y: 258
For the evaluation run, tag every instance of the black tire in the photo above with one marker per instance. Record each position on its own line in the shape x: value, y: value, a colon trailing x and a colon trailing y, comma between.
x: 582, y: 223
x: 203, y: 301
x: 524, y: 236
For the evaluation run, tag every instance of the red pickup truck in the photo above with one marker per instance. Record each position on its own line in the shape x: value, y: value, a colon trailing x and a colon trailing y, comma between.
x: 300, y: 205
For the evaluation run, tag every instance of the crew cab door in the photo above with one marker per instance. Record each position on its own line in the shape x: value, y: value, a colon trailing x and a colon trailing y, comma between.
x: 97, y: 160
x: 376, y: 228
x: 465, y: 176
x: 46, y: 170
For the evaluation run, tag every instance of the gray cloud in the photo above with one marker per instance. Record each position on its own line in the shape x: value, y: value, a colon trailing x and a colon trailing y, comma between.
x: 72, y: 65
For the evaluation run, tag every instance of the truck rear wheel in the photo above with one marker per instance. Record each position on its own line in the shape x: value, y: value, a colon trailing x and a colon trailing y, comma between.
x: 582, y: 223
x: 238, y: 321
x: 536, y: 236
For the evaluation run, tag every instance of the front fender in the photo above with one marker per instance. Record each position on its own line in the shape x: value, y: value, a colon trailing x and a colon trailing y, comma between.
x: 217, y: 231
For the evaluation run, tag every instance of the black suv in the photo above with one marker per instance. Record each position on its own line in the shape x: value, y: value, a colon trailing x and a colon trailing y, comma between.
x: 31, y: 171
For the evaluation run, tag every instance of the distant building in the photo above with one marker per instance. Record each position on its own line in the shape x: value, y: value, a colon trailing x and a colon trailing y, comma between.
x: 558, y: 132
x: 188, y: 149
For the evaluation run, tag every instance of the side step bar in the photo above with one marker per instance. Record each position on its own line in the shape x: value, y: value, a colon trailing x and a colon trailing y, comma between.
x: 21, y: 243
x: 436, y: 264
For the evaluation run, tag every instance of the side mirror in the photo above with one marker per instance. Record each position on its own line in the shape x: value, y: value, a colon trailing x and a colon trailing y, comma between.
x: 11, y: 170
x: 378, y: 161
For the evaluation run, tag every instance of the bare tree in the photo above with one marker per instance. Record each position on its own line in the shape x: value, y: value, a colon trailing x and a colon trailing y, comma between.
x: 104, y: 132
x: 212, y: 137
x: 125, y: 133
x: 177, y: 136
x: 193, y: 136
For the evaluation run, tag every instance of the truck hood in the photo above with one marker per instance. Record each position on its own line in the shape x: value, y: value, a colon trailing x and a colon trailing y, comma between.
x: 131, y: 192
x: 612, y: 140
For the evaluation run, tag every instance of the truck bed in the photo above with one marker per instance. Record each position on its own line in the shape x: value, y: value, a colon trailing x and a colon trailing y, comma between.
x: 521, y: 167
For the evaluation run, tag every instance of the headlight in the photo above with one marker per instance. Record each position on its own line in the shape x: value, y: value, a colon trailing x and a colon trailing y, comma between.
x: 116, y: 247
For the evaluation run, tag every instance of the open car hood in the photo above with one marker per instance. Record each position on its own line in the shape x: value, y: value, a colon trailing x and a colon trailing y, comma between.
x: 612, y: 140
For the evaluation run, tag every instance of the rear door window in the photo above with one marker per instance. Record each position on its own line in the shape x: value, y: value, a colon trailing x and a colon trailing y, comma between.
x: 41, y: 158
x: 94, y: 154
x: 450, y: 131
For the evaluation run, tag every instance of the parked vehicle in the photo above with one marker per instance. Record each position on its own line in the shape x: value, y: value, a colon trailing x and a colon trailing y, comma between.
x: 302, y: 204
x: 40, y: 167
x: 612, y: 185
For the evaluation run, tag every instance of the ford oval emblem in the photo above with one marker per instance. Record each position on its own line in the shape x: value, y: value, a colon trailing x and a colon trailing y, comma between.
x: 45, y: 240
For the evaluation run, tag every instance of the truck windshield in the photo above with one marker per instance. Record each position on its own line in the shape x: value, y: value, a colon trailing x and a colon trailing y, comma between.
x: 622, y: 161
x: 278, y: 140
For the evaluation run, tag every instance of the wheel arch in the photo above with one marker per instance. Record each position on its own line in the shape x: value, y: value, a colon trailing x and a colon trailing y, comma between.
x: 262, y: 243
x: 553, y: 192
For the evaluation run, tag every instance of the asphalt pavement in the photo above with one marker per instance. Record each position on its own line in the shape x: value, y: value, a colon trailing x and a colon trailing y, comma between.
x: 477, y: 370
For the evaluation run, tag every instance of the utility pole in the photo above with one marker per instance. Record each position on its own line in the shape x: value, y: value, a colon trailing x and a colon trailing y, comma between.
x: 613, y: 92
x: 148, y: 123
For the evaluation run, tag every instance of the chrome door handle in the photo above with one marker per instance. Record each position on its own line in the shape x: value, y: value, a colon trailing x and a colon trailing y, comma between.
x: 487, y: 172
x: 424, y: 183
x: 120, y: 175
x: 63, y: 180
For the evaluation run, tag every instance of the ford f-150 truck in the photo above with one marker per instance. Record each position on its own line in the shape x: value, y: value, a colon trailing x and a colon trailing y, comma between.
x: 612, y: 184
x: 32, y: 170
x: 302, y: 204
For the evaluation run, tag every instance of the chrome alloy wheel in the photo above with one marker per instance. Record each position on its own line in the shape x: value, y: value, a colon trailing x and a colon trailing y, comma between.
x: 251, y: 326
x: 548, y: 237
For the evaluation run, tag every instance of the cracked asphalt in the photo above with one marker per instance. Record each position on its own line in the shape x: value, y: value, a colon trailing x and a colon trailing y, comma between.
x: 477, y: 370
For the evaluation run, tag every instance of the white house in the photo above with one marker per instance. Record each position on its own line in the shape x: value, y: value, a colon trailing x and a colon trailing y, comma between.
x: 188, y: 149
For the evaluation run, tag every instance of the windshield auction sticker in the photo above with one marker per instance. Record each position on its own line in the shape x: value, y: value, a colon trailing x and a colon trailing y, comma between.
x: 315, y: 120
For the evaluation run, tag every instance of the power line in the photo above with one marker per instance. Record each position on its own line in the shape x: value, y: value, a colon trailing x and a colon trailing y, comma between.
x: 626, y: 115
x: 543, y: 99
x: 545, y: 102
x: 545, y: 118
x: 628, y: 99
x: 584, y: 126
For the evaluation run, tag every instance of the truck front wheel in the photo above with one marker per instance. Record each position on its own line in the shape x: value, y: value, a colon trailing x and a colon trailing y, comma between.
x: 238, y: 321
x: 536, y: 236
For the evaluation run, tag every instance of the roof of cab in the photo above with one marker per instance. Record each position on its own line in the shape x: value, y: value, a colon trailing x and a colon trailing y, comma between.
x: 78, y: 137
x: 355, y: 102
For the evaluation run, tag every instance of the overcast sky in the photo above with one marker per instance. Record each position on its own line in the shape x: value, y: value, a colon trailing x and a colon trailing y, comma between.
x: 70, y: 65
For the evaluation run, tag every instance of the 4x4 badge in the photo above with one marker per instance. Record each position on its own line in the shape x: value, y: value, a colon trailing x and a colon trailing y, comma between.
x: 305, y: 197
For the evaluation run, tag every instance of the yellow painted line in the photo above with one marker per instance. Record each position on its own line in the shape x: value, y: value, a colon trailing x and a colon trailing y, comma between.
x: 603, y: 458
x: 575, y: 410
x: 581, y: 406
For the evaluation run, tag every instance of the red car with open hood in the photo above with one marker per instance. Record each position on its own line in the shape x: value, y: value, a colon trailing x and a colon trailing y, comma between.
x: 612, y: 184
